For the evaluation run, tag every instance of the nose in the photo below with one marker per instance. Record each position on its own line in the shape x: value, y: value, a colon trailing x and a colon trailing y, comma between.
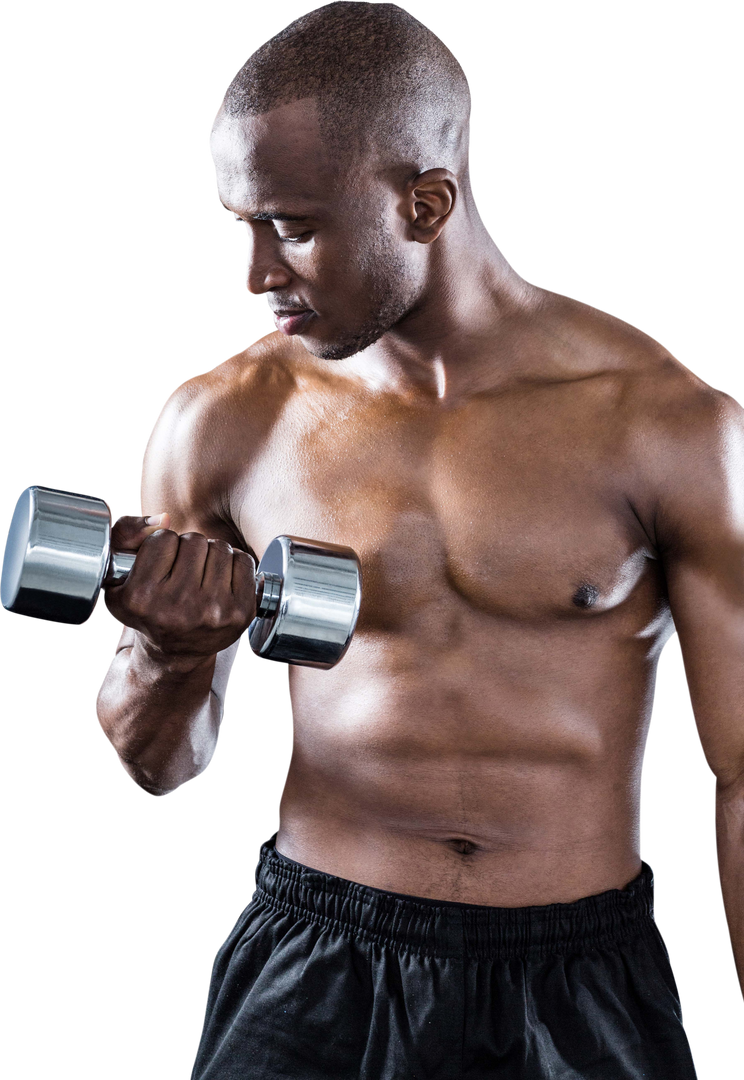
x: 265, y: 268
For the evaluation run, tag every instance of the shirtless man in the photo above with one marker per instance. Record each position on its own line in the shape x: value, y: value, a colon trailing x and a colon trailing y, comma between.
x: 536, y: 490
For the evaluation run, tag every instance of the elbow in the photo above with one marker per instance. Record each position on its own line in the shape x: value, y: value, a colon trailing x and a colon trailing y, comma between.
x: 154, y: 787
x: 161, y: 792
x: 729, y: 787
x: 158, y: 793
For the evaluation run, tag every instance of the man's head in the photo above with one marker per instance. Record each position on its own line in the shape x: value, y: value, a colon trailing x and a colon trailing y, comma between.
x: 353, y: 121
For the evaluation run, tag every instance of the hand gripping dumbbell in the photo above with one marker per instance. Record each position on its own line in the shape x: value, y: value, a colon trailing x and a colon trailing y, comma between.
x: 58, y: 556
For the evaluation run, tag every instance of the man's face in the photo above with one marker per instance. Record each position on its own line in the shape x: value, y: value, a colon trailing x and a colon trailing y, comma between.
x: 331, y: 249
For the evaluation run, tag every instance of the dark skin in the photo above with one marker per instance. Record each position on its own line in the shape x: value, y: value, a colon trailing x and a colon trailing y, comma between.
x: 535, y: 490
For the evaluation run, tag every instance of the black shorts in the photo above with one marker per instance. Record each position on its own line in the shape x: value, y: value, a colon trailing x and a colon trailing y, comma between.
x: 325, y: 979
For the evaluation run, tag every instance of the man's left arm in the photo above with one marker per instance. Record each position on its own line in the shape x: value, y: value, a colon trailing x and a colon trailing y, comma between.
x: 699, y: 526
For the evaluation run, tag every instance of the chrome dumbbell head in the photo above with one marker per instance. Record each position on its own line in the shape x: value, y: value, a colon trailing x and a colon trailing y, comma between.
x: 308, y: 597
x: 58, y: 555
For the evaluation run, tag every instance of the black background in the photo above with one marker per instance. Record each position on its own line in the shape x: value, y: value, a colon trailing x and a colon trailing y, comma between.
x: 602, y: 164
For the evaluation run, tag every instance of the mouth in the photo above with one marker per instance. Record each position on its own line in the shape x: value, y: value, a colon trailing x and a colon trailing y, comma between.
x: 292, y: 320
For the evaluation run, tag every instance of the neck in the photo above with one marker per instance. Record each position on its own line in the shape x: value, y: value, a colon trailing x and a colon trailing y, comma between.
x: 445, y: 349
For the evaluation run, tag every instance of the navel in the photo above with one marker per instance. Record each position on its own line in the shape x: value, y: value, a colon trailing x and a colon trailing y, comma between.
x: 586, y: 596
x: 463, y: 847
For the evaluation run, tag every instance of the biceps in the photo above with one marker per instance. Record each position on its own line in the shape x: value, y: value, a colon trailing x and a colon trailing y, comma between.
x: 707, y: 603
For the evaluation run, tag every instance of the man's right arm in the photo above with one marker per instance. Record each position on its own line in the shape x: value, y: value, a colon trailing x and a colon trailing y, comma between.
x: 162, y: 715
x: 187, y: 600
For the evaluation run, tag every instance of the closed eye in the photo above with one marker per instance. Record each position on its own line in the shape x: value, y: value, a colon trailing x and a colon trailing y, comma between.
x: 284, y: 240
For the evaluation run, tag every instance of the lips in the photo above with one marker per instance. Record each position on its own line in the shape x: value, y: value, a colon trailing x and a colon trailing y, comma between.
x: 292, y: 323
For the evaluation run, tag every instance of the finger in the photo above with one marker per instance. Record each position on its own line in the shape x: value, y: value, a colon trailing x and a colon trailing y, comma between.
x: 244, y: 578
x: 155, y: 558
x: 218, y: 567
x: 188, y: 569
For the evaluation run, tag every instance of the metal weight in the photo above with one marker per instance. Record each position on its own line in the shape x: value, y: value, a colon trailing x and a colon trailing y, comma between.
x: 308, y: 602
x: 58, y: 555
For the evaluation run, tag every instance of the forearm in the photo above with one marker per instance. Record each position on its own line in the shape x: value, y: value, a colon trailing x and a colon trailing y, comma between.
x: 730, y: 836
x: 160, y: 714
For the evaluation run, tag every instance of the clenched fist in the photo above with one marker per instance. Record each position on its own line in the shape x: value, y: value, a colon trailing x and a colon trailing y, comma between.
x: 188, y: 595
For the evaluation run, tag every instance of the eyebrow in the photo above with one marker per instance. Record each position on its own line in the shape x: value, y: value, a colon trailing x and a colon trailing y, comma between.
x: 272, y: 215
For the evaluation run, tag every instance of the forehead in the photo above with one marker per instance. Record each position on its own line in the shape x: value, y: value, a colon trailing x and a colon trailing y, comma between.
x: 275, y: 157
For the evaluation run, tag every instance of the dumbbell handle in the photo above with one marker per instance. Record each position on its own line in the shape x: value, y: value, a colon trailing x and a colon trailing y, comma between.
x: 119, y: 565
x: 268, y: 586
x: 58, y: 555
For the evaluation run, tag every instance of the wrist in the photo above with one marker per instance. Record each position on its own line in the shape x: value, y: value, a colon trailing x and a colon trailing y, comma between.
x: 175, y: 663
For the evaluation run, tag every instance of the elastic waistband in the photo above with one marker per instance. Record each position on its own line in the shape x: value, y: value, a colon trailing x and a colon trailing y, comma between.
x: 448, y: 929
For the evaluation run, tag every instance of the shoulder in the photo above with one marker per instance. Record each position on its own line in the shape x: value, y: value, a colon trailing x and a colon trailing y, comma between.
x: 687, y: 441
x: 680, y: 414
x: 653, y: 394
x: 209, y: 429
x: 679, y: 442
x: 228, y: 409
x: 249, y: 381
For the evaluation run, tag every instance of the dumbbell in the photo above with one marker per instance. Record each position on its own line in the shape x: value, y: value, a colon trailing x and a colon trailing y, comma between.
x: 58, y: 556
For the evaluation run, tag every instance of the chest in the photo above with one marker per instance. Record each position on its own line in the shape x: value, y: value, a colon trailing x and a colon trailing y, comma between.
x: 513, y: 508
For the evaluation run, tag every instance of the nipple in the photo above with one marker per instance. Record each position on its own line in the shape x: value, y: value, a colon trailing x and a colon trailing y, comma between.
x: 586, y: 596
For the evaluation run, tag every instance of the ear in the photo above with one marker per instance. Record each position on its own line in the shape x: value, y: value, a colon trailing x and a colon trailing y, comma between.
x: 430, y: 200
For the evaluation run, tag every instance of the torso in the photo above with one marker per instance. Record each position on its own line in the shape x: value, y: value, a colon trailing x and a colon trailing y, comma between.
x: 482, y: 739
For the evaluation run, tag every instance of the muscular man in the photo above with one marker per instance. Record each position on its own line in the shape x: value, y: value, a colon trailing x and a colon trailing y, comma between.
x: 536, y: 490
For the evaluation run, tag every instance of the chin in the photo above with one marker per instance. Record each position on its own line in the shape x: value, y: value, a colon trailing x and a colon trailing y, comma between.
x: 343, y: 347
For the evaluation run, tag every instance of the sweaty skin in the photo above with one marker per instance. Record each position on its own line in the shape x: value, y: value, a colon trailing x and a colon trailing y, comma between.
x: 482, y: 739
x: 536, y: 490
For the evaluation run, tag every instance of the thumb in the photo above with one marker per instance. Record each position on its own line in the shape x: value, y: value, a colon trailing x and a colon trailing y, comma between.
x: 128, y: 533
x: 157, y: 521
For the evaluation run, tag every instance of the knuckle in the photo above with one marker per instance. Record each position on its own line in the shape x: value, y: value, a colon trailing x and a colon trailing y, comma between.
x: 245, y: 566
x: 159, y: 538
x: 242, y: 611
x: 213, y: 615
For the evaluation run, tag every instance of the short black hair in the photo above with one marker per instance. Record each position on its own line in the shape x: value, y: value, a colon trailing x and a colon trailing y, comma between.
x: 381, y: 79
